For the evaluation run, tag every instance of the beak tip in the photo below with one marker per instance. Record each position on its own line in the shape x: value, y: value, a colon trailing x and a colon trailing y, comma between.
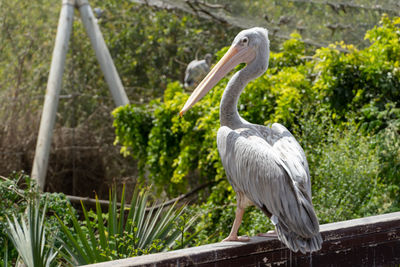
x: 181, y: 113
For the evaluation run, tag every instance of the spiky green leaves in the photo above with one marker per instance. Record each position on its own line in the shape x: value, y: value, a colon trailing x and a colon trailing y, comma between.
x: 126, y: 231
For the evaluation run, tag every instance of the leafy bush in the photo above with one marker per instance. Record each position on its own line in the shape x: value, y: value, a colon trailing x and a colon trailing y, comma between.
x: 346, y: 177
x: 389, y: 159
x: 350, y: 81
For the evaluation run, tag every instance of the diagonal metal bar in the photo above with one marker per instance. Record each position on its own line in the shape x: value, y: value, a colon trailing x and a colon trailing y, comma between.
x: 48, y: 118
x: 103, y: 55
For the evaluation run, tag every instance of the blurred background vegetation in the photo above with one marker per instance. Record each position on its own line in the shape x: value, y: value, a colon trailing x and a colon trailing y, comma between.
x: 333, y: 80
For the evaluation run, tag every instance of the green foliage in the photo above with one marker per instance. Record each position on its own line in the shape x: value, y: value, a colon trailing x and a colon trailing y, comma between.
x: 5, y: 255
x: 373, y: 118
x: 169, y: 157
x: 109, y: 236
x: 389, y: 159
x: 29, y: 238
x: 346, y: 180
x: 293, y: 51
x: 16, y: 192
x: 343, y: 107
x: 11, y: 200
x: 100, y: 237
x: 133, y: 136
x: 349, y: 81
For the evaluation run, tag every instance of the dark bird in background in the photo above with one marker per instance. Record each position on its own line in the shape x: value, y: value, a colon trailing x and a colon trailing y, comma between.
x: 196, y: 71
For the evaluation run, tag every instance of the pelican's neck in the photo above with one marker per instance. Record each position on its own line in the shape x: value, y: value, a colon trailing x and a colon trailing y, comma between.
x: 228, y: 112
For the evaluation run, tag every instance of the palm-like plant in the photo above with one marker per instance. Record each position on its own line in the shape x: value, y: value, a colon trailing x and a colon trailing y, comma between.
x: 117, y: 235
x: 29, y: 236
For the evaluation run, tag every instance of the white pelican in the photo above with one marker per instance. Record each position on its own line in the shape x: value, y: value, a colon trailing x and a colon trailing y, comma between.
x: 264, y: 164
x: 197, y: 70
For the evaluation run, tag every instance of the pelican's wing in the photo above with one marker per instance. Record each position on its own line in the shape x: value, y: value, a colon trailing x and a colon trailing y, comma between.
x: 270, y: 177
x: 291, y: 154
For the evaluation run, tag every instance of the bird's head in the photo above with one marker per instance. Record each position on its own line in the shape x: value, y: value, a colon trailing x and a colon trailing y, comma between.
x: 250, y: 46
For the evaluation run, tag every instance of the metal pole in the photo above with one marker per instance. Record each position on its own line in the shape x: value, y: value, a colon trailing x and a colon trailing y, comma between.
x: 43, y: 143
x: 102, y: 54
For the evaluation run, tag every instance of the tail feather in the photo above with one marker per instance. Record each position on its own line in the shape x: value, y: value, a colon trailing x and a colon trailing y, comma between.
x: 296, y: 242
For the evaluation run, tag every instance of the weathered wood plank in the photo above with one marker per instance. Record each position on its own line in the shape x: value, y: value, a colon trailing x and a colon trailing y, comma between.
x: 370, y: 241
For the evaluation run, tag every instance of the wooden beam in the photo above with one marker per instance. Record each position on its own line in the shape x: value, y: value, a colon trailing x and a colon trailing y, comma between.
x: 39, y: 168
x: 102, y: 53
x: 370, y: 241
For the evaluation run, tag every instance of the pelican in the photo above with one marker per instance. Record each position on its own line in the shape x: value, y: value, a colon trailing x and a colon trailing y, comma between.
x: 265, y: 165
x: 197, y: 70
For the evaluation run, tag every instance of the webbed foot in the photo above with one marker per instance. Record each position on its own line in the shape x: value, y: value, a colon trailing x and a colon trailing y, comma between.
x: 271, y: 233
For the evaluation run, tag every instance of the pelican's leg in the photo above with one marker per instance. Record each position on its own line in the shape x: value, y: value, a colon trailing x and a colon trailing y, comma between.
x: 238, y: 220
x: 271, y: 233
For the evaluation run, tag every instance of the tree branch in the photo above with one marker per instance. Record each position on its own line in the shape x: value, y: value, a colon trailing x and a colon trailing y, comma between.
x: 92, y: 201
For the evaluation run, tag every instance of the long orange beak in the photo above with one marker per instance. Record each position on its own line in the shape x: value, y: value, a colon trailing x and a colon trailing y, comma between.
x: 231, y: 59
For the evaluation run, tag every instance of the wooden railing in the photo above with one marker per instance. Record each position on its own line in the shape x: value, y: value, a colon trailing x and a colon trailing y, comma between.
x: 369, y: 241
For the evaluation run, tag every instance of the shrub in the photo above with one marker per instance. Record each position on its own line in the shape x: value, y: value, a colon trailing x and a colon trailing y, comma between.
x: 15, y: 194
x: 346, y: 177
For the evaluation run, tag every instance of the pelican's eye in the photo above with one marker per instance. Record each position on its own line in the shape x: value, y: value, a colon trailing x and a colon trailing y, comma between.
x: 245, y: 41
